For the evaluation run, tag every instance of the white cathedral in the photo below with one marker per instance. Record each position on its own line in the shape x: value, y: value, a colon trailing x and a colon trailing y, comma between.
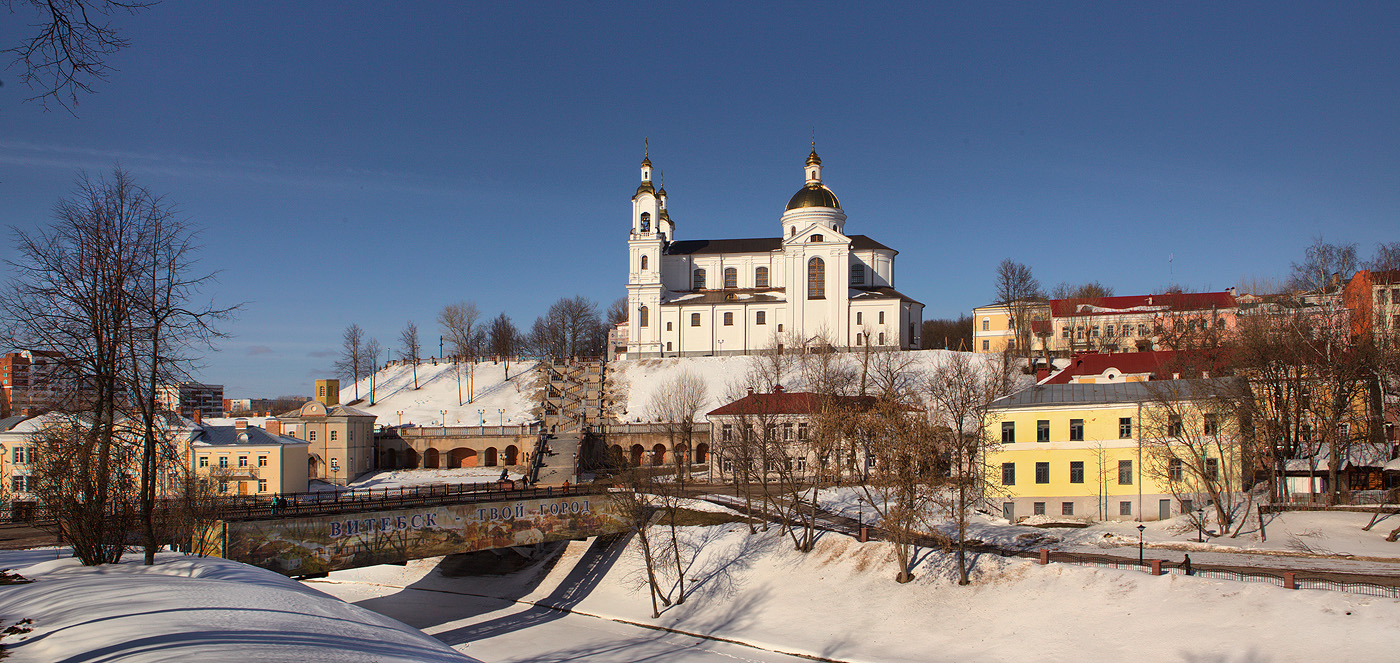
x: 814, y: 284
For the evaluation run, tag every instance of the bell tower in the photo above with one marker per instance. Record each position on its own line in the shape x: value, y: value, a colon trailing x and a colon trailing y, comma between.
x: 651, y: 230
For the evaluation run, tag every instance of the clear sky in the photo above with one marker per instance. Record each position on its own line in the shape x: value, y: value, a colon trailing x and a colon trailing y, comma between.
x: 370, y: 162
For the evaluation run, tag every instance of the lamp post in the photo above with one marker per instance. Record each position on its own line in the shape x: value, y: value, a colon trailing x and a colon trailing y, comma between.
x: 1140, y: 529
x: 481, y: 414
x: 1201, y: 524
x: 444, y: 418
x: 400, y: 413
x: 502, y: 411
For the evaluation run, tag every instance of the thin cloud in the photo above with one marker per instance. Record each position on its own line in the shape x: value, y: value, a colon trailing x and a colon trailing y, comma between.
x: 322, y: 354
x: 259, y: 350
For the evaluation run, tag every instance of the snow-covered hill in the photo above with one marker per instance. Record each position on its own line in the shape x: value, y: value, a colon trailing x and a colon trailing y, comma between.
x: 631, y: 384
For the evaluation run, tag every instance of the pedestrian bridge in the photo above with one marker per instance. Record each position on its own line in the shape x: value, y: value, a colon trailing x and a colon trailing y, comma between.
x: 300, y: 544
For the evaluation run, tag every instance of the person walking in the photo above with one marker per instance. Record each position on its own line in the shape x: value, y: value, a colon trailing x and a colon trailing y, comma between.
x: 1186, y: 565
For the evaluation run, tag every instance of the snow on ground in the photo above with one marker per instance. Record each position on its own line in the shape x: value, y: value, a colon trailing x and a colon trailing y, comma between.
x: 191, y: 609
x: 437, y: 391
x: 1295, y: 539
x: 424, y: 477
x: 841, y: 602
x: 635, y: 380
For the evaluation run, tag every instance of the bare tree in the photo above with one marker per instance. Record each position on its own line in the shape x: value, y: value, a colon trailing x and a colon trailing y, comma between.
x: 1019, y: 292
x: 460, y: 325
x: 1324, y: 266
x: 503, y: 339
x: 960, y: 392
x: 900, y: 487
x: 634, y: 504
x: 409, y: 348
x: 571, y: 328
x: 1192, y: 441
x: 617, y: 311
x: 676, y: 404
x: 69, y: 51
x: 948, y: 334
x: 106, y: 286
x: 352, y: 362
x: 372, y: 354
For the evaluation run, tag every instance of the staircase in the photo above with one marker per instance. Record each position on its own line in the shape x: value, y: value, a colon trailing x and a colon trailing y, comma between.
x: 571, y: 407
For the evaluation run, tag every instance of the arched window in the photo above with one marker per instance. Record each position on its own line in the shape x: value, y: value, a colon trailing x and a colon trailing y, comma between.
x: 644, y: 263
x: 698, y: 279
x: 816, y: 279
x: 668, y: 346
x: 646, y: 222
x: 815, y: 238
x: 642, y: 317
x: 760, y: 277
x: 882, y: 317
x: 857, y: 274
x: 731, y: 277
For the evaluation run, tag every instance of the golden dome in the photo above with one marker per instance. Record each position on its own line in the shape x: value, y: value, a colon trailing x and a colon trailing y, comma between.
x: 644, y: 187
x: 813, y: 159
x: 646, y: 162
x: 814, y: 195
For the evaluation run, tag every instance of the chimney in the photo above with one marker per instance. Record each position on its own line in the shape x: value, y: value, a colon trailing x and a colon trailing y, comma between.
x: 198, y: 418
x: 1041, y: 372
x: 240, y: 423
x: 750, y: 393
x: 777, y: 389
x: 29, y: 413
x: 273, y: 426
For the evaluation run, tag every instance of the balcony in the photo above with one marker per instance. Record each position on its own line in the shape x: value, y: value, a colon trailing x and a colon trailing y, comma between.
x: 233, y: 473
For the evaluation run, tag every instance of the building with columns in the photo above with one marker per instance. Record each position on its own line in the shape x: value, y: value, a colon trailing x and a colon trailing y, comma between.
x: 812, y: 284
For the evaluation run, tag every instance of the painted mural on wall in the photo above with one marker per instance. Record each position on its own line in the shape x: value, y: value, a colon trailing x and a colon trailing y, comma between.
x: 301, y: 546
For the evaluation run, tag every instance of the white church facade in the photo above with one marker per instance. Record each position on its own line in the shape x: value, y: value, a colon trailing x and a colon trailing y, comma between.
x: 813, y: 284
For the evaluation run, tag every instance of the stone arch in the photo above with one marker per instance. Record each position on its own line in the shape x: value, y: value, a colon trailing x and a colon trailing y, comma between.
x: 490, y: 456
x: 431, y: 458
x: 616, y: 456
x: 462, y: 457
x: 313, y: 468
x: 390, y: 458
x: 512, y: 455
x: 681, y: 452
x: 658, y: 454
x: 702, y: 452
x: 410, y: 459
x: 637, y: 452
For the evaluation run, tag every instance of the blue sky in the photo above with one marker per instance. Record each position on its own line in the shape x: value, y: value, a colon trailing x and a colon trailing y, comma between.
x: 372, y: 162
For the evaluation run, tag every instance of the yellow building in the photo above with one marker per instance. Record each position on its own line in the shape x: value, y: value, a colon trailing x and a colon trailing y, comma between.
x: 247, y: 460
x: 991, y: 326
x: 341, y: 440
x: 1119, y: 451
x: 328, y: 392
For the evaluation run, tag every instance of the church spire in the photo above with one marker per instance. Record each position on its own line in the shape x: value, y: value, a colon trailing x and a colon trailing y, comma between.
x: 814, y: 162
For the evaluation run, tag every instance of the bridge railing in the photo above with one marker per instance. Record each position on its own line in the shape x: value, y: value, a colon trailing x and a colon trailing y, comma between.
x: 377, y: 499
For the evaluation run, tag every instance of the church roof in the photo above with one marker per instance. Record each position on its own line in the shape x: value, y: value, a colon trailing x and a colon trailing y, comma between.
x: 744, y: 296
x: 880, y: 292
x: 753, y: 245
x: 814, y: 194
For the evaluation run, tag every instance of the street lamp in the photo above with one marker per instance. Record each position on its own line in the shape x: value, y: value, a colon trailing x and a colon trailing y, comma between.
x: 400, y: 413
x: 481, y: 414
x: 502, y: 411
x: 1140, y: 528
x: 444, y: 418
x: 1201, y: 524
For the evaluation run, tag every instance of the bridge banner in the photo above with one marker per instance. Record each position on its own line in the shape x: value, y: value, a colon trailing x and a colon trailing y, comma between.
x: 317, y: 544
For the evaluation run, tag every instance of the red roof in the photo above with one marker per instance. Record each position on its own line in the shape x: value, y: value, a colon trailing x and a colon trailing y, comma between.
x: 782, y: 402
x: 1158, y: 364
x: 1177, y: 301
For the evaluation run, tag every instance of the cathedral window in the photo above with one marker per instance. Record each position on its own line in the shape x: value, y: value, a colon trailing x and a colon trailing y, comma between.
x: 646, y: 222
x: 668, y: 346
x: 859, y: 339
x: 816, y: 278
x: 815, y: 238
x: 760, y: 277
x: 882, y: 317
x: 728, y: 319
x: 761, y: 318
x: 858, y: 317
x: 694, y: 319
x: 644, y: 263
x: 698, y: 280
x: 668, y: 326
x: 642, y: 316
x: 857, y: 274
x: 731, y: 277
